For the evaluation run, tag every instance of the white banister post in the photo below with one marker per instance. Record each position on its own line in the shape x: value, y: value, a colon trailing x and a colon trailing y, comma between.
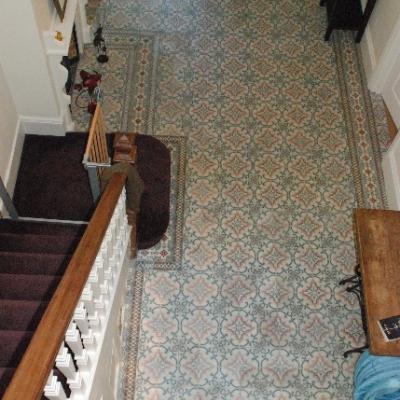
x: 54, y: 389
x: 93, y: 332
x: 66, y: 365
x: 73, y: 339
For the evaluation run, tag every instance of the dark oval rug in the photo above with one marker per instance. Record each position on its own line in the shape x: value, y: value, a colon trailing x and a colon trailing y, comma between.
x: 52, y: 182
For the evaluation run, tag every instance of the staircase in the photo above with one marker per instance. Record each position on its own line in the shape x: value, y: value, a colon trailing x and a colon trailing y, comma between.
x: 33, y: 257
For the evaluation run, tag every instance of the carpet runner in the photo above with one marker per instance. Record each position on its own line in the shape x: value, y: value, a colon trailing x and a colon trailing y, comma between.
x: 33, y: 258
x: 53, y: 184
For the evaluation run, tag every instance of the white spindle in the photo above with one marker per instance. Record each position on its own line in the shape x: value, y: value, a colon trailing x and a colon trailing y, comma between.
x: 81, y: 318
x: 83, y: 361
x: 88, y: 328
x: 94, y: 321
x: 54, y: 389
x: 89, y: 340
x: 73, y: 339
x: 65, y: 363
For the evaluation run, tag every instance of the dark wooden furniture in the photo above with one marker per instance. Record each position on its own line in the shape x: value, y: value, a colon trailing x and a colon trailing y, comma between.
x: 347, y: 14
x: 378, y: 240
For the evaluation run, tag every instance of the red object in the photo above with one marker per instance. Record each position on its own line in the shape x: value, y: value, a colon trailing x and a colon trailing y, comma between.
x: 90, y: 81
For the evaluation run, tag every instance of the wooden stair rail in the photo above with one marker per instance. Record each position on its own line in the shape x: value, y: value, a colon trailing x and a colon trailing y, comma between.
x: 96, y: 151
x: 31, y: 375
x: 96, y: 156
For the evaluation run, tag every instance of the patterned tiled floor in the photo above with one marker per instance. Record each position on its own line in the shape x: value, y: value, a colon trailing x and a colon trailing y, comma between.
x: 282, y: 144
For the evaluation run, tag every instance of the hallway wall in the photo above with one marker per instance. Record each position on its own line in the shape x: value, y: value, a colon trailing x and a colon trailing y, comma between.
x: 11, y: 139
x: 379, y: 30
x: 8, y: 125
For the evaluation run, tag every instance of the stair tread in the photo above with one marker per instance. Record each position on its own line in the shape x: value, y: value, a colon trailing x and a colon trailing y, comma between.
x: 39, y: 227
x: 33, y: 263
x: 35, y: 243
x: 5, y: 378
x: 28, y: 286
x: 12, y: 346
x: 20, y: 315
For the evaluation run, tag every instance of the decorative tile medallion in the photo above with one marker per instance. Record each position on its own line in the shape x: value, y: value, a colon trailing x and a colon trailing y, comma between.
x: 282, y: 144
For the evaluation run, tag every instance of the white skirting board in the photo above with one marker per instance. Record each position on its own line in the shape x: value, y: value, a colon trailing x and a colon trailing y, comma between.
x: 46, y: 126
x: 391, y: 172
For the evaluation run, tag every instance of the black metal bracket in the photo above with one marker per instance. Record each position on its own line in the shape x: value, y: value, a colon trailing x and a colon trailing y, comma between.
x: 356, y: 287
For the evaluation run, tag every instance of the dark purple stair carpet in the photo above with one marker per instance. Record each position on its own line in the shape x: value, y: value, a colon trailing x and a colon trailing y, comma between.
x: 33, y: 263
x: 41, y: 228
x: 53, y: 184
x: 33, y: 258
x: 31, y: 243
x: 28, y: 287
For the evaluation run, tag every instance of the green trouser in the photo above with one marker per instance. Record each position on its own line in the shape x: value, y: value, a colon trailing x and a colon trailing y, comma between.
x: 134, y: 183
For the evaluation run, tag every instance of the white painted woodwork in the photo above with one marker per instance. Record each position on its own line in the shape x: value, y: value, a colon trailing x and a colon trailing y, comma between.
x: 65, y: 363
x: 391, y: 172
x: 379, y: 41
x: 53, y: 388
x: 11, y: 138
x: 94, y: 334
x: 391, y: 84
x: 73, y: 339
x: 56, y: 49
x: 30, y: 65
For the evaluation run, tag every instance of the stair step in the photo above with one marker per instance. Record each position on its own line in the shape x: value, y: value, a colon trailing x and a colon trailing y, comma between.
x: 28, y: 287
x: 5, y: 378
x: 33, y: 263
x: 12, y: 346
x: 38, y: 243
x: 43, y: 228
x: 21, y: 315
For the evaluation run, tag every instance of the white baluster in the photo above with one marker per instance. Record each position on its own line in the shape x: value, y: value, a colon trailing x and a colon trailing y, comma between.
x: 73, y: 339
x: 66, y: 365
x: 54, y: 389
x: 83, y: 361
x: 93, y: 284
x: 80, y: 317
x: 99, y: 265
x: 94, y: 321
x: 101, y: 305
x: 88, y: 300
x: 105, y: 288
x: 89, y: 340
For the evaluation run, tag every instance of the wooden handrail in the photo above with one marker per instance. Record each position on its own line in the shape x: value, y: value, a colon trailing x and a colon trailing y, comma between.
x: 96, y: 148
x: 31, y: 375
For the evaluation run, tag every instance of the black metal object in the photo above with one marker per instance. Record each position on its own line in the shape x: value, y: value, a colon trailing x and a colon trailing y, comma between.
x: 100, y: 45
x: 355, y: 287
x: 347, y: 14
x: 70, y: 62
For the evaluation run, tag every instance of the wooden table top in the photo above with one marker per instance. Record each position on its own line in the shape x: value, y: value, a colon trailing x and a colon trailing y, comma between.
x: 378, y: 239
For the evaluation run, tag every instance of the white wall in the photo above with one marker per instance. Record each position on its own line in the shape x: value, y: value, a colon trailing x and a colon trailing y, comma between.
x: 8, y: 125
x: 381, y: 27
x: 24, y: 62
x: 44, y: 13
x: 11, y: 138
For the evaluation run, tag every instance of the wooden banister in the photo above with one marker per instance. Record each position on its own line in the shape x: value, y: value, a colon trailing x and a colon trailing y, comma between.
x: 96, y: 148
x: 32, y: 373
